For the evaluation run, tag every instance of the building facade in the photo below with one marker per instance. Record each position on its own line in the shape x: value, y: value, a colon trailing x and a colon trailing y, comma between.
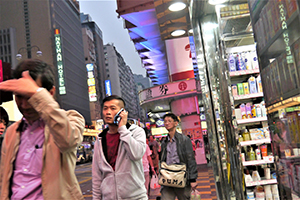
x: 145, y: 82
x: 94, y: 55
x: 121, y: 79
x: 52, y: 27
x: 142, y: 83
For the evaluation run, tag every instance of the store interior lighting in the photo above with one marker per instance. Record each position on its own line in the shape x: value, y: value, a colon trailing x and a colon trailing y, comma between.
x: 178, y: 33
x: 216, y: 2
x: 177, y: 6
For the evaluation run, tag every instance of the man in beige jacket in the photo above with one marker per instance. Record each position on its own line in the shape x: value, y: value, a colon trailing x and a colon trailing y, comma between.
x: 39, y: 151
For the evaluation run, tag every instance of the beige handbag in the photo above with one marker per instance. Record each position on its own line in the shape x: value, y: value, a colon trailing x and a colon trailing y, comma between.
x: 173, y: 175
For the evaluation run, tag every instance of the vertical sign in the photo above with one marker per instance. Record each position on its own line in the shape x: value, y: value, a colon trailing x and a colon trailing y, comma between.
x: 59, y: 61
x: 91, y: 82
x: 107, y: 87
x: 194, y: 57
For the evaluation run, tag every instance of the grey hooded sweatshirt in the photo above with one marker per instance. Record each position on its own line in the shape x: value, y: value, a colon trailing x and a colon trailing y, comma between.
x: 127, y: 181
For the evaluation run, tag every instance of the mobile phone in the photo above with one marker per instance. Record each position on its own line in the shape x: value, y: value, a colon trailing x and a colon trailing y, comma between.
x: 117, y: 117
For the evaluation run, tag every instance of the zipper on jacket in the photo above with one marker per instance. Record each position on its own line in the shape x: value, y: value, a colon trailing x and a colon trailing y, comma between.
x: 102, y: 154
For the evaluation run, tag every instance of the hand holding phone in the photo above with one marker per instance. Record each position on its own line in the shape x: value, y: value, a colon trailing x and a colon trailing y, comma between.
x: 117, y: 117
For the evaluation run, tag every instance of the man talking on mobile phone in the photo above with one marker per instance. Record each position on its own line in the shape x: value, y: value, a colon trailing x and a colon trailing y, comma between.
x: 117, y: 168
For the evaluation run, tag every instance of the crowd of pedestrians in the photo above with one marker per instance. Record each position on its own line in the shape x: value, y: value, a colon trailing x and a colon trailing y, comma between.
x: 38, y: 153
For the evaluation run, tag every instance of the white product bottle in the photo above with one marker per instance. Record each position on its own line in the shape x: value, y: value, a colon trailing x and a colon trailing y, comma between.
x: 231, y: 63
x: 268, y: 192
x: 259, y: 85
x: 258, y: 110
x: 247, y: 59
x: 240, y: 64
x: 254, y: 60
x: 258, y: 155
x: 263, y: 109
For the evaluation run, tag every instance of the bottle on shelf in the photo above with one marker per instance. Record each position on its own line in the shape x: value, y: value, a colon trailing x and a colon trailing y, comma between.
x: 253, y: 111
x: 248, y: 110
x: 259, y: 85
x: 264, y: 151
x: 243, y: 111
x: 240, y: 65
x: 258, y: 154
x: 241, y: 138
x: 252, y: 85
x: 255, y: 64
x: 247, y: 60
x: 252, y: 155
x: 246, y: 135
x: 231, y: 63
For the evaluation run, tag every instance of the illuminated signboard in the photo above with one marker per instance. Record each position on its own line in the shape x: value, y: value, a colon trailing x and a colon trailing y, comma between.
x: 169, y: 89
x: 89, y: 67
x: 91, y: 82
x: 194, y: 57
x: 59, y: 62
x: 107, y: 87
x: 286, y: 37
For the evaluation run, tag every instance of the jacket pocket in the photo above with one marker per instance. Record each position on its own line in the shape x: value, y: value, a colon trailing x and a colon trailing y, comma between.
x: 108, y: 188
x: 129, y: 185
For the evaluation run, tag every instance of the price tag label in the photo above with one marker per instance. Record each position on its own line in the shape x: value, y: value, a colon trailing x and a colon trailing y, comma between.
x: 263, y: 182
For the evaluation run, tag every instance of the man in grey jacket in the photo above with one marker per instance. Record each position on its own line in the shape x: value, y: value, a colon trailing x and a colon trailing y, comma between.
x: 177, y: 148
x: 117, y: 168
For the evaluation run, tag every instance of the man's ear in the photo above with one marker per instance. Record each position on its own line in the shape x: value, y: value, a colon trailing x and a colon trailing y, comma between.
x: 52, y: 91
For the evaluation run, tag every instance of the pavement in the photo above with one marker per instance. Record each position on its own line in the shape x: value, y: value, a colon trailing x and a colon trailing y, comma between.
x: 206, y: 184
x: 205, y: 181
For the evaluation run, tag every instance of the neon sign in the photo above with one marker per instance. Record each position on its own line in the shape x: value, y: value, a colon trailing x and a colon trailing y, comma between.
x: 91, y: 82
x: 107, y: 87
x: 59, y: 62
x: 286, y: 38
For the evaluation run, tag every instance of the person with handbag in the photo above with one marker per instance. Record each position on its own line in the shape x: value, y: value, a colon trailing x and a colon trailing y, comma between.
x: 177, y: 153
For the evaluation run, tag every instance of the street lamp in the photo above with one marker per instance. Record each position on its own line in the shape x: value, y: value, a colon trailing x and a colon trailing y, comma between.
x: 28, y: 50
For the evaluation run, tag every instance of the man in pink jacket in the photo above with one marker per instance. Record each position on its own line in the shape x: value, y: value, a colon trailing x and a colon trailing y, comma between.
x: 39, y: 151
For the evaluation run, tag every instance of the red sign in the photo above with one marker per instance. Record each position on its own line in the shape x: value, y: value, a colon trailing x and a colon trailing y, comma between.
x: 182, y: 86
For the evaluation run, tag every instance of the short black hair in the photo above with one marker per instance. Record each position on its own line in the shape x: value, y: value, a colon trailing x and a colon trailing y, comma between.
x: 37, y: 69
x: 112, y: 97
x: 173, y: 116
x: 4, y: 115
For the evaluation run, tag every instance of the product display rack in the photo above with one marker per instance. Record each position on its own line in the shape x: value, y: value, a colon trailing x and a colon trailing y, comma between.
x: 255, y: 99
x: 257, y: 142
x: 276, y: 26
x: 259, y: 162
x: 261, y: 182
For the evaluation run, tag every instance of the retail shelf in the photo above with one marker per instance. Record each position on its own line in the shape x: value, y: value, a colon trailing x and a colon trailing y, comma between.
x: 239, y: 49
x: 258, y: 142
x: 261, y: 182
x: 277, y: 41
x: 292, y: 157
x: 257, y: 162
x: 244, y: 72
x: 248, y: 96
x: 251, y: 120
